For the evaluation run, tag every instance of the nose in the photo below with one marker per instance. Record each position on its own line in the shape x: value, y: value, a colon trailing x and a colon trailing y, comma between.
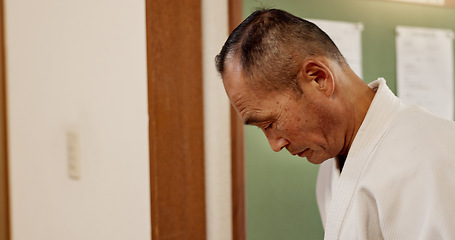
x: 276, y: 142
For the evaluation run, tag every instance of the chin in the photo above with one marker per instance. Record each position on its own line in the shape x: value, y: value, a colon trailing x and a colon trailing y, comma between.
x: 316, y: 161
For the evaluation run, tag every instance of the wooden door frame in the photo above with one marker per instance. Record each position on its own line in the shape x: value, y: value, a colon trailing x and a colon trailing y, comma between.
x: 237, y: 147
x: 4, y: 183
x: 174, y: 64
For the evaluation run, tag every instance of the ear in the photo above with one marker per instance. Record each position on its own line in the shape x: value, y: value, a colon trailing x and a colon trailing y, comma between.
x: 319, y: 75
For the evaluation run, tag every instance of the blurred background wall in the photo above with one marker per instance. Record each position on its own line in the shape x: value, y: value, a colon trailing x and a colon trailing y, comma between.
x: 78, y: 67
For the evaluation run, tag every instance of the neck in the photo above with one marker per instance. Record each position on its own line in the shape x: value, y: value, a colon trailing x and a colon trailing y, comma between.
x: 358, y: 97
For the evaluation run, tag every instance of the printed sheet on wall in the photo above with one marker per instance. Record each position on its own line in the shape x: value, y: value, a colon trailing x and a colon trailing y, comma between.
x: 348, y: 38
x: 425, y: 68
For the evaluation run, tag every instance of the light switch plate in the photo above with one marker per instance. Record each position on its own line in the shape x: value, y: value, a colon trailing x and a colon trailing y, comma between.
x: 73, y: 154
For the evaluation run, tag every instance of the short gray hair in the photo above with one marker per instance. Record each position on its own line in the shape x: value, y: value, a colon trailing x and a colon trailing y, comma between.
x: 272, y: 44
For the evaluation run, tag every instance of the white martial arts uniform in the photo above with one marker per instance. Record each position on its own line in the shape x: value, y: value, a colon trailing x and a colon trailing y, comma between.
x: 398, y: 181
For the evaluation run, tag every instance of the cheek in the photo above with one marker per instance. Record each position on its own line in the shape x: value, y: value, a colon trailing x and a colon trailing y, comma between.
x: 331, y: 130
x: 315, y: 129
x: 309, y: 125
x: 300, y: 130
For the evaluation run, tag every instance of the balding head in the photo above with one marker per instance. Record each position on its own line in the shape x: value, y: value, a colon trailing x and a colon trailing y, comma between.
x: 271, y: 46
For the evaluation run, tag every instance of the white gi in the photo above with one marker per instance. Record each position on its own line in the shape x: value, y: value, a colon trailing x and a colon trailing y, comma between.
x: 398, y: 181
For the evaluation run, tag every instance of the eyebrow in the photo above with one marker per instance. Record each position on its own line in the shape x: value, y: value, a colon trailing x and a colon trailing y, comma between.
x: 253, y: 120
x: 250, y: 121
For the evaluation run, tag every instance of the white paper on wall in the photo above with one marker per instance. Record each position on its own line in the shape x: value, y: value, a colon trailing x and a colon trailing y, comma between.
x: 425, y: 68
x: 430, y: 2
x: 348, y: 38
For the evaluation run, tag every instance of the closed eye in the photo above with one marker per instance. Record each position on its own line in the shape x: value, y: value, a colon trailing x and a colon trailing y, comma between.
x: 267, y: 125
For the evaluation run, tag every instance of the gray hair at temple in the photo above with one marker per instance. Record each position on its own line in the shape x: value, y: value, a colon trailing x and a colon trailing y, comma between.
x: 272, y: 44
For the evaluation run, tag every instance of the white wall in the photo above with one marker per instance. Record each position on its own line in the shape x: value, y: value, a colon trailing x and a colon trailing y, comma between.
x: 78, y: 65
x: 217, y: 124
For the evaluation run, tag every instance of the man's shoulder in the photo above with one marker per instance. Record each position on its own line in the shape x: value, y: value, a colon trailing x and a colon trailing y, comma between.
x: 416, y: 141
x: 415, y: 123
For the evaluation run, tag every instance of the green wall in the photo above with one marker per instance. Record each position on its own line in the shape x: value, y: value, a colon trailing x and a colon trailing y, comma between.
x: 281, y: 202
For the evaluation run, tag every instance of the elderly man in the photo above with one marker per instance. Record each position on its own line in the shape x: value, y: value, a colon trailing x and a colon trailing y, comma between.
x: 386, y: 167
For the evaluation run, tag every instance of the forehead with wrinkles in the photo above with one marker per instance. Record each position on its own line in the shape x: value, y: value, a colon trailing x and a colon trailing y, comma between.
x: 239, y: 92
x: 252, y: 103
